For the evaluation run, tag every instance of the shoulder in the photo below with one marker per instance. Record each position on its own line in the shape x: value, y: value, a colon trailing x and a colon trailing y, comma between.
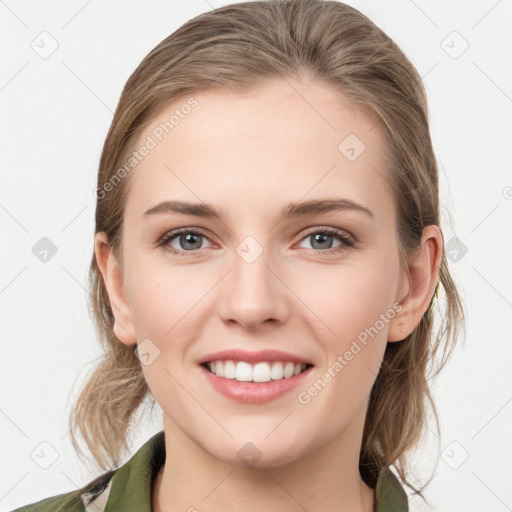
x: 123, y: 487
x: 74, y: 501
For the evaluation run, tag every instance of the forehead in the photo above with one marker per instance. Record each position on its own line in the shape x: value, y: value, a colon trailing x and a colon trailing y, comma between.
x: 279, y: 142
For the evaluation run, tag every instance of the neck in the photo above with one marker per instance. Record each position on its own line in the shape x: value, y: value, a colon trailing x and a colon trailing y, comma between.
x: 326, y: 479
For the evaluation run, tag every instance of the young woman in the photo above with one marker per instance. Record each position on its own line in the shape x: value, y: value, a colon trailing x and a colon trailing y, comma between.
x: 266, y: 268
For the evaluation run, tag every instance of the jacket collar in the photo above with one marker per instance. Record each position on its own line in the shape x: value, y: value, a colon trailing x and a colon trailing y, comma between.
x: 131, y: 486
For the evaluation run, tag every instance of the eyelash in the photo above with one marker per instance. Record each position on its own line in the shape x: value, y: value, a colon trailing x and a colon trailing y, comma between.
x: 346, y: 240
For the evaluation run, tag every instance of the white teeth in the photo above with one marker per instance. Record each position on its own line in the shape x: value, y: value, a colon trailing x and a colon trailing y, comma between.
x: 259, y: 372
x: 243, y: 371
x: 277, y: 371
x: 229, y: 370
x: 288, y: 370
x: 219, y: 368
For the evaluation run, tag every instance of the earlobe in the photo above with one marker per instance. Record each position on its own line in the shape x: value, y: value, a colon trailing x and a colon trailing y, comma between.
x: 113, y: 279
x: 423, y: 276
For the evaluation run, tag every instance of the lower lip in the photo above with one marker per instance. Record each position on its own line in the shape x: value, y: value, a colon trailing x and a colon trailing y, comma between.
x: 254, y: 392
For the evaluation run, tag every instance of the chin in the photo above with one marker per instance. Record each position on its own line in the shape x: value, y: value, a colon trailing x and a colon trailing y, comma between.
x: 258, y: 453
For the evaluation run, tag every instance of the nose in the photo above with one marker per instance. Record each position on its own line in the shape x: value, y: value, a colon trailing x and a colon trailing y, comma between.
x: 254, y: 292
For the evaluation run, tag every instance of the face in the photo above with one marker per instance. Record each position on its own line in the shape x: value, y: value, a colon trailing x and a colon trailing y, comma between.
x: 318, y: 284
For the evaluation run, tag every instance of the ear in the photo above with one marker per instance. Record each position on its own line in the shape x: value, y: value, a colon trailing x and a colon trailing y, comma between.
x: 422, y: 276
x: 111, y: 271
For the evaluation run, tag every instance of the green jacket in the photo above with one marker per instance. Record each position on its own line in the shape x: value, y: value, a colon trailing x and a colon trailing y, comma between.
x: 128, y: 488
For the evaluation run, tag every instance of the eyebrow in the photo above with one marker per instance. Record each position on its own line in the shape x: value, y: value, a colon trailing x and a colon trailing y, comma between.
x: 315, y: 206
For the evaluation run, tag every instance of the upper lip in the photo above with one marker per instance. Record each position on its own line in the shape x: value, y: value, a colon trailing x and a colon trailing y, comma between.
x: 253, y: 357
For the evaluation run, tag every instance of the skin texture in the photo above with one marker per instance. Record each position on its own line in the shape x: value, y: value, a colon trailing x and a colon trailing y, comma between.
x: 251, y: 154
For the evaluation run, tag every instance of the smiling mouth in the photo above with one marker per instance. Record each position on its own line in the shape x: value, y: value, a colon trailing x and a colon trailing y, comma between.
x: 264, y: 371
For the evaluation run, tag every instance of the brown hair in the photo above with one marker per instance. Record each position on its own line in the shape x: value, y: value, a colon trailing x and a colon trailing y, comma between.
x: 234, y: 48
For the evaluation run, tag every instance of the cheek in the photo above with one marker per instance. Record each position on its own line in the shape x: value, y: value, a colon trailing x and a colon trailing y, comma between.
x: 164, y: 300
x: 170, y: 307
x: 352, y: 310
x: 350, y: 301
x: 165, y: 307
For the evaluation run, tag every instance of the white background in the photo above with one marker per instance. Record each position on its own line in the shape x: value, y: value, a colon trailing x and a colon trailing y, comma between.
x: 55, y: 116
